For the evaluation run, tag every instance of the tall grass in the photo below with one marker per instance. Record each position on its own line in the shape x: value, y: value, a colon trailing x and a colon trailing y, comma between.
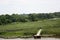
x: 30, y: 28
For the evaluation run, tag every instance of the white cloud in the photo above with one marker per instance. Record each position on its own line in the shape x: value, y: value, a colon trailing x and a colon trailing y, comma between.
x: 4, y: 2
x: 27, y: 6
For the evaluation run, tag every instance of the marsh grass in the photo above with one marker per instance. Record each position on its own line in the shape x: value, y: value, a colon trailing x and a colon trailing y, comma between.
x: 18, y: 29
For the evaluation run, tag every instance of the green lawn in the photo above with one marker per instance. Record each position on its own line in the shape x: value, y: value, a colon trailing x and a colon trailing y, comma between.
x: 30, y: 28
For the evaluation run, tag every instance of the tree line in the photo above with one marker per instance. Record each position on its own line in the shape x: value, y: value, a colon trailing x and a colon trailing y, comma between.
x: 5, y: 19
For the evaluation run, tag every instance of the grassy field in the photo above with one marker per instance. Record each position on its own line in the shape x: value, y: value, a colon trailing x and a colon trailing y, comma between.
x: 17, y: 29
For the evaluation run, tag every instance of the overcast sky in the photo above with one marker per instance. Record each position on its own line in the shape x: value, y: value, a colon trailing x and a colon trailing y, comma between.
x: 29, y: 6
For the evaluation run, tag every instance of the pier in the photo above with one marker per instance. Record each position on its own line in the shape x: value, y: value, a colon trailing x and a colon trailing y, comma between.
x: 38, y: 35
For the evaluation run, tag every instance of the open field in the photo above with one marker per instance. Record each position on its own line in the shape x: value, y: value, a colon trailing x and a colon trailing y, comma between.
x: 18, y: 29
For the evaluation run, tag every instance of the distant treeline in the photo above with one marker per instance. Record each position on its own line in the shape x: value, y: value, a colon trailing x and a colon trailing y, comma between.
x: 5, y: 19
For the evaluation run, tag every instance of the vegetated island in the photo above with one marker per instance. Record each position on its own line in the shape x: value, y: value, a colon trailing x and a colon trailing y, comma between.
x: 26, y: 25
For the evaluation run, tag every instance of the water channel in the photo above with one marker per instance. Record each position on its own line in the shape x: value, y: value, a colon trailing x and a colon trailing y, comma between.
x: 43, y: 38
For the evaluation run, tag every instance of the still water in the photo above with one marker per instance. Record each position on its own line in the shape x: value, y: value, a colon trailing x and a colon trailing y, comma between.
x: 32, y: 39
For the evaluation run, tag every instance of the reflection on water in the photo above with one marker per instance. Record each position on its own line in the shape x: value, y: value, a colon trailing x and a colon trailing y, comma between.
x: 32, y: 39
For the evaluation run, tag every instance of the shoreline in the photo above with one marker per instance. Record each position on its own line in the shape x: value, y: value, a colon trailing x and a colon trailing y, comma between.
x: 13, y: 37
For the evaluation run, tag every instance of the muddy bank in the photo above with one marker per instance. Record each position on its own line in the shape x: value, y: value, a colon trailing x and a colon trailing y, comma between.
x: 12, y: 37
